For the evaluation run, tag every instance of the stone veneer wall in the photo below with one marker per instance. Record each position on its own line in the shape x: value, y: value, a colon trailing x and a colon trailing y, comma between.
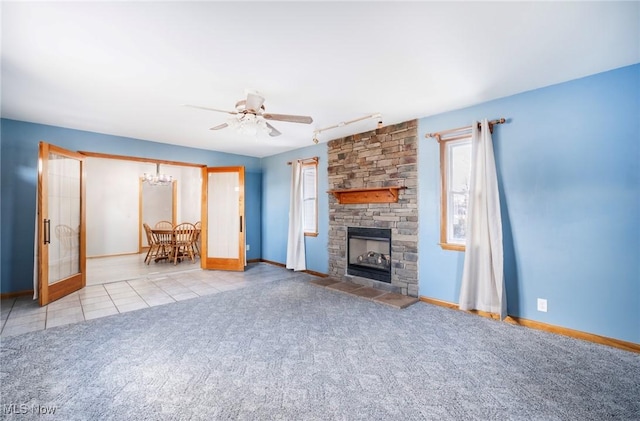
x: 385, y: 157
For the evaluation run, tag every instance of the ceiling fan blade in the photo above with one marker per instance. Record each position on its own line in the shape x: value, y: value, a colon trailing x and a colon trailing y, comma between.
x: 274, y: 131
x: 219, y: 126
x: 254, y: 102
x: 210, y: 109
x: 290, y: 118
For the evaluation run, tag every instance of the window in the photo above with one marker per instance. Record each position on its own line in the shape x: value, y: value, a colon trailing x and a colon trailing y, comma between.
x: 455, y: 172
x: 310, y: 197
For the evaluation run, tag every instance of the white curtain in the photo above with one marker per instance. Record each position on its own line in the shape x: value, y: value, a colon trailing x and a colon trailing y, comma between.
x: 482, y: 277
x: 296, y: 258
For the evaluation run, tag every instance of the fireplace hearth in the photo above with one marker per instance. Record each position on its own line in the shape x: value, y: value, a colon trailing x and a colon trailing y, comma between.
x: 369, y: 253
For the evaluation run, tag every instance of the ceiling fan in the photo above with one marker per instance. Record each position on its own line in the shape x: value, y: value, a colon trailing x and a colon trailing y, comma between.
x: 250, y: 115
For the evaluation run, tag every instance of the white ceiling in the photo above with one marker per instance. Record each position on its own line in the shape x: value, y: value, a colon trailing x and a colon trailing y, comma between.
x: 126, y: 68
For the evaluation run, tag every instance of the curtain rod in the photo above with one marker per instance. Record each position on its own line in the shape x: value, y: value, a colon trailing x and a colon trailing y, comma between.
x: 313, y: 158
x: 438, y: 135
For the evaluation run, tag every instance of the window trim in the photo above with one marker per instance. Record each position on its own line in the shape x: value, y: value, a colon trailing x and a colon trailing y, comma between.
x: 444, y: 199
x: 312, y: 163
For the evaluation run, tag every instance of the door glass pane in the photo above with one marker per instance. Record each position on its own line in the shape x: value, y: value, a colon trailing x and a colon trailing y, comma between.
x: 64, y: 214
x: 223, y: 240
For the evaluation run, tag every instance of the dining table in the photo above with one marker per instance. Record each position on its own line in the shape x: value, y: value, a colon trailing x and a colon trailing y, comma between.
x: 166, y: 240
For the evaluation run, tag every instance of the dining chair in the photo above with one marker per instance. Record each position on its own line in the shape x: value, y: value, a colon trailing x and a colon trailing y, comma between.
x: 154, y: 247
x: 68, y: 238
x: 184, y: 235
x: 164, y: 239
x: 164, y: 225
x: 196, y: 243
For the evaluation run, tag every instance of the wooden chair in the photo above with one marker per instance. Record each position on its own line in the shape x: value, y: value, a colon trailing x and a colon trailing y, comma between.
x: 196, y: 243
x: 68, y: 238
x: 164, y: 225
x: 184, y: 236
x: 154, y: 247
x: 164, y: 239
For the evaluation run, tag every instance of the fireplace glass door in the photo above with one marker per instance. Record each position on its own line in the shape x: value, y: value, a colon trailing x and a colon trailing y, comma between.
x: 369, y: 253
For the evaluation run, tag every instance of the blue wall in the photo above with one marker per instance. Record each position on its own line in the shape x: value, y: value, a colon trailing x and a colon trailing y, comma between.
x: 276, y: 184
x: 568, y: 165
x: 19, y: 145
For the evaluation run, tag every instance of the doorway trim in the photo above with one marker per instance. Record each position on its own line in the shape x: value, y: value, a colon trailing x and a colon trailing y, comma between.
x: 139, y: 159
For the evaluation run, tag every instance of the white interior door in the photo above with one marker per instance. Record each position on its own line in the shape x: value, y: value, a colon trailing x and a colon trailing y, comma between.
x: 223, y: 224
x: 61, y: 223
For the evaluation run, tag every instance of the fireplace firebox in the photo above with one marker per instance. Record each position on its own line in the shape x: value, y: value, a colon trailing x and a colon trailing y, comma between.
x: 369, y: 253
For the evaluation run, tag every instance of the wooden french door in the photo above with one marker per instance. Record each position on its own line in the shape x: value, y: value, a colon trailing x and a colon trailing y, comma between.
x: 61, y: 223
x: 223, y: 223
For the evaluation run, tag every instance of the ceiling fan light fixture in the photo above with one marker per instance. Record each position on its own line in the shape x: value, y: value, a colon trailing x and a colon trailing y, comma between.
x: 250, y: 117
x: 249, y: 124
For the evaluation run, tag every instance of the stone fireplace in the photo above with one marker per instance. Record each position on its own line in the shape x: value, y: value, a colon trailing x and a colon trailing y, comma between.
x: 382, y: 158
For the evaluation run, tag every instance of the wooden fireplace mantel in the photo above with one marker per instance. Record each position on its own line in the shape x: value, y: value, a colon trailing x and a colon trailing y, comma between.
x: 387, y: 194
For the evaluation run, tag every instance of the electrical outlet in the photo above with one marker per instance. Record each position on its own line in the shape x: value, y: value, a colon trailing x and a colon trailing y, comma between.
x: 542, y: 305
x: 248, y: 247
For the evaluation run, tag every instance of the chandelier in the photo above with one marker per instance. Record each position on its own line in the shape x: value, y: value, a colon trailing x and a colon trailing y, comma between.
x: 157, y: 179
x: 249, y: 124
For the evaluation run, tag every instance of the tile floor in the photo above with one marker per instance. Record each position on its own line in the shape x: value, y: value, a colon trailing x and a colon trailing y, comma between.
x: 101, y: 270
x: 23, y: 314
